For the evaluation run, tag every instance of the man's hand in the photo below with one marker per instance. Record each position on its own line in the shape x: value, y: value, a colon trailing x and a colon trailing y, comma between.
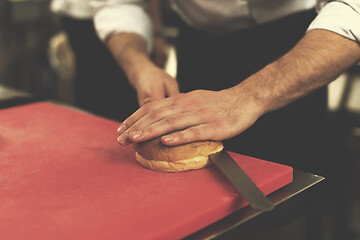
x: 205, y: 115
x: 194, y: 116
x: 153, y: 83
x: 149, y: 81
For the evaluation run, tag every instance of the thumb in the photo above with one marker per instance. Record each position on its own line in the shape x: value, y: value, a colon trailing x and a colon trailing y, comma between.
x: 148, y: 99
x: 154, y: 94
x: 172, y: 88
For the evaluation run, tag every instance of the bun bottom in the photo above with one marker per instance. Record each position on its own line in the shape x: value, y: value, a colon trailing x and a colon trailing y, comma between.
x: 176, y: 166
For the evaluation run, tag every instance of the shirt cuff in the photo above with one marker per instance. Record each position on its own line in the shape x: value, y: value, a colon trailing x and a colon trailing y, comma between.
x: 123, y: 18
x: 341, y: 17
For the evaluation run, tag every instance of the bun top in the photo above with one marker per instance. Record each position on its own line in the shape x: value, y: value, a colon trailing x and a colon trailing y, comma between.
x: 154, y: 149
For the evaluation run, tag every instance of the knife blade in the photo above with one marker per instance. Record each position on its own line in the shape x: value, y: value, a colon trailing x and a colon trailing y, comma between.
x: 241, y: 181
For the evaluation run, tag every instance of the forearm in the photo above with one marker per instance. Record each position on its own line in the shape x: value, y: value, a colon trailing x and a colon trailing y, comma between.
x: 149, y: 81
x: 129, y: 51
x: 314, y: 62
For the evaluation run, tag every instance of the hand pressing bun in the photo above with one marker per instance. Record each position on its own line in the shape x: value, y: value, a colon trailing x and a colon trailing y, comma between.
x: 154, y: 155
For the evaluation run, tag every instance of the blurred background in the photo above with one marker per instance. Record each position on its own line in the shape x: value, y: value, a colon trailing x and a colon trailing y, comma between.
x: 36, y: 59
x: 34, y: 56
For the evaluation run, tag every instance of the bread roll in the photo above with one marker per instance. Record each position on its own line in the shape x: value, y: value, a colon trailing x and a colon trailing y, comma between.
x: 154, y: 155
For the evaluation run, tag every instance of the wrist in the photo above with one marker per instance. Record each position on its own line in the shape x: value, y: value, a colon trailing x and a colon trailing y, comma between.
x: 136, y: 67
x: 263, y: 90
x: 255, y: 94
x: 129, y: 51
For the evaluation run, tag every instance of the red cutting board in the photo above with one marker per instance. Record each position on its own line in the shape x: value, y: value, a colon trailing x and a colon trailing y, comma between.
x: 64, y: 176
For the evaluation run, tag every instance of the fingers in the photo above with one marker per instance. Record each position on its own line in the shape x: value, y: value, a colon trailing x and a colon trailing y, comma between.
x: 172, y: 88
x: 141, y: 96
x: 156, y: 93
x: 157, y: 109
x: 151, y: 125
x: 192, y: 134
x: 148, y: 99
x: 141, y: 100
x: 121, y: 131
x: 169, y: 88
x: 137, y: 119
x: 170, y: 123
x: 159, y: 117
x: 131, y: 120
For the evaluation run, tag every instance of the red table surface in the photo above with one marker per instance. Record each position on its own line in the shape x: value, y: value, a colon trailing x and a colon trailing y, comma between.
x: 64, y: 176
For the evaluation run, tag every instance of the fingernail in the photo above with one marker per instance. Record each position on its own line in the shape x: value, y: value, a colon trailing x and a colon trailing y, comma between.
x: 135, y: 135
x: 168, y: 138
x: 121, y: 129
x: 122, y: 139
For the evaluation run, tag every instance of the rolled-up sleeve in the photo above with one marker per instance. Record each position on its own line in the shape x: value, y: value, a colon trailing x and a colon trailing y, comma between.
x: 116, y: 16
x: 341, y: 17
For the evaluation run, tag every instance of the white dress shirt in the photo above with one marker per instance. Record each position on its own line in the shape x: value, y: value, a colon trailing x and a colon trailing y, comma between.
x: 79, y: 9
x: 215, y: 16
x: 341, y: 17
